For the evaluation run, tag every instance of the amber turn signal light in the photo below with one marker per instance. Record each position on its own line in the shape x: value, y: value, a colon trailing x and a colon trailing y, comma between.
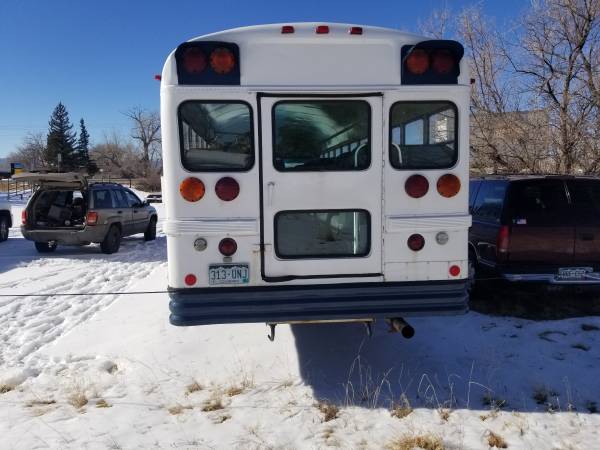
x: 192, y: 189
x: 448, y: 185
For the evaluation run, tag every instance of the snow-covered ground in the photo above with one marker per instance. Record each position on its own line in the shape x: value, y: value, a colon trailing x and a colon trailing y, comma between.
x: 108, y: 371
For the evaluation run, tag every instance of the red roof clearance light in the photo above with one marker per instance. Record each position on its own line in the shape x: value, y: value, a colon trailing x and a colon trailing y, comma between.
x: 322, y: 29
x: 355, y: 30
x: 158, y: 77
x: 287, y: 29
x: 194, y: 60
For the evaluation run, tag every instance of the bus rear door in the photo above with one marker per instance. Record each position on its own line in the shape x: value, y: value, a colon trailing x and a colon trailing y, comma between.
x: 321, y: 168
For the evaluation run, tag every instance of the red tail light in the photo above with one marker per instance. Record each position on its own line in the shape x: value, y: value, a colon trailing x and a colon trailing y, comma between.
x: 24, y: 217
x: 415, y: 242
x: 222, y: 60
x: 194, y: 60
x: 454, y: 270
x: 448, y: 185
x: 91, y: 218
x: 190, y: 279
x: 502, y: 242
x: 417, y: 62
x: 192, y: 189
x: 227, y: 189
x: 227, y: 247
x: 355, y: 30
x: 416, y: 186
x: 443, y: 62
x: 287, y: 29
x: 322, y: 29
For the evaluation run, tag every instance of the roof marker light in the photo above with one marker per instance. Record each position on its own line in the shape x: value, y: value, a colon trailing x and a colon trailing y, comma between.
x: 287, y: 29
x: 355, y: 30
x: 157, y: 77
x: 322, y: 29
x: 194, y: 60
x: 222, y: 60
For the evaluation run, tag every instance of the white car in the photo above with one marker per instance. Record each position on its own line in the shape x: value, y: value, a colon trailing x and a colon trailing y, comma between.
x: 5, y: 219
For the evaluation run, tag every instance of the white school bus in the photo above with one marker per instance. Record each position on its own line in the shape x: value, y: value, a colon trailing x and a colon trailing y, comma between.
x: 315, y: 172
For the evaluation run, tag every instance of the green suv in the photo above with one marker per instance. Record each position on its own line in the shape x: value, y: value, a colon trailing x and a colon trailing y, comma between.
x: 65, y: 209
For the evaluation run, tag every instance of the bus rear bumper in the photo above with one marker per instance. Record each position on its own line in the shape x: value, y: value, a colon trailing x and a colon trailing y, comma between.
x: 204, y: 306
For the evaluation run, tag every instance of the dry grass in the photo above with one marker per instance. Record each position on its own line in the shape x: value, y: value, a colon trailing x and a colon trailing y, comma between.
x: 4, y: 388
x: 495, y: 441
x: 234, y: 390
x: 214, y: 403
x: 425, y: 442
x: 444, y: 414
x: 40, y: 402
x: 103, y: 404
x: 193, y: 387
x: 78, y: 400
x: 178, y: 409
x: 402, y: 408
x: 328, y: 409
x: 492, y: 401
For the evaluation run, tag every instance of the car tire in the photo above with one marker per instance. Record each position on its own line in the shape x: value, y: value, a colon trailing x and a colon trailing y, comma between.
x: 45, y: 247
x: 4, y: 229
x: 150, y: 233
x: 112, y: 240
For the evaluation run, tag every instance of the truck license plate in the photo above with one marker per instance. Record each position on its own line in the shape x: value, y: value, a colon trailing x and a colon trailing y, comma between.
x: 228, y: 274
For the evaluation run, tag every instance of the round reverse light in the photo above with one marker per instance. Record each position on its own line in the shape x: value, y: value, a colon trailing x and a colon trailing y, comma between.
x: 415, y: 242
x: 194, y: 60
x: 192, y: 189
x: 448, y: 185
x: 227, y: 247
x: 190, y: 279
x: 200, y: 244
x: 222, y: 60
x: 454, y: 270
x: 417, y: 62
x: 416, y: 186
x: 227, y: 189
x: 441, y: 238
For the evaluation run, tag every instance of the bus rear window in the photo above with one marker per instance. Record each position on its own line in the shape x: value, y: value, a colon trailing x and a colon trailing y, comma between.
x: 423, y: 135
x: 321, y: 135
x: 322, y: 234
x: 216, y: 136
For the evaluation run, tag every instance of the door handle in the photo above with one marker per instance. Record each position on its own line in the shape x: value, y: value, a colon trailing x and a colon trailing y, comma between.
x: 270, y: 188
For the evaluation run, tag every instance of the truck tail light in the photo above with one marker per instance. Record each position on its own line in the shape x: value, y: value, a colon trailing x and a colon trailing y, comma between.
x: 431, y: 62
x: 415, y: 242
x: 227, y: 189
x: 416, y: 186
x: 227, y: 247
x: 190, y: 279
x: 454, y: 270
x: 24, y: 217
x: 502, y: 242
x: 91, y: 218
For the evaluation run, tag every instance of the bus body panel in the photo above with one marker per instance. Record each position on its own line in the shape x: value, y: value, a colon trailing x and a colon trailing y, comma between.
x: 390, y: 280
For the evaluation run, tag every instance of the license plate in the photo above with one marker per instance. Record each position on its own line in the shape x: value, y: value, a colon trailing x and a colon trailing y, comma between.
x: 573, y: 273
x: 228, y: 274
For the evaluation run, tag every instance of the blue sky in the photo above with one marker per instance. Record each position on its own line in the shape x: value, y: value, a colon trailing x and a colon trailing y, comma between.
x: 99, y: 57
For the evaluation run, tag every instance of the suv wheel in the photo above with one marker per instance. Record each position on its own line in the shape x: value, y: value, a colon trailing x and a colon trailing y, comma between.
x: 112, y: 240
x: 45, y: 247
x: 3, y: 229
x: 150, y: 233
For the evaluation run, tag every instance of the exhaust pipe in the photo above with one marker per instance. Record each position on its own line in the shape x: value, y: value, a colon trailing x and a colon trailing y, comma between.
x: 399, y: 325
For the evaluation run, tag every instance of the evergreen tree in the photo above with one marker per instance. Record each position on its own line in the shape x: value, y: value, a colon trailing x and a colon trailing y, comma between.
x: 60, y: 140
x: 83, y: 148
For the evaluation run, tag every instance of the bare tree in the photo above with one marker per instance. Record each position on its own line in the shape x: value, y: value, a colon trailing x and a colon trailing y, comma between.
x: 557, y: 56
x: 31, y: 152
x: 438, y: 25
x: 146, y: 130
x: 116, y: 157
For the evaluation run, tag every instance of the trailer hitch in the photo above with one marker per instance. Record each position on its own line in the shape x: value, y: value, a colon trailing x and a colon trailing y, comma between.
x: 399, y: 325
x: 271, y: 335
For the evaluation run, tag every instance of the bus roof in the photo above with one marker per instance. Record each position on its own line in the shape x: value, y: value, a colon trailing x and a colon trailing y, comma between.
x: 305, y: 58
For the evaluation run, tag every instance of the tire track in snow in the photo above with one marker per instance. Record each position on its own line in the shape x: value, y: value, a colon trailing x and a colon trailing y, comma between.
x: 28, y: 323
